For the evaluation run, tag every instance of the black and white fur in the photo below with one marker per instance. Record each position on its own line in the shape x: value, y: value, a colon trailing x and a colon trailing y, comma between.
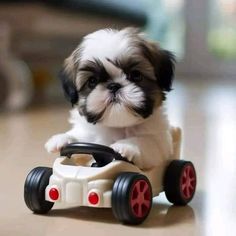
x: 117, y: 81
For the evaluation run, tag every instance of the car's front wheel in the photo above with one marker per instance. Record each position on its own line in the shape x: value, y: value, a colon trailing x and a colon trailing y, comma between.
x: 131, y: 198
x: 34, y: 190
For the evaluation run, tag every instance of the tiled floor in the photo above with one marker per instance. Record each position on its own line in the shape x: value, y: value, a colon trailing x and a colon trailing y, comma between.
x: 207, y: 113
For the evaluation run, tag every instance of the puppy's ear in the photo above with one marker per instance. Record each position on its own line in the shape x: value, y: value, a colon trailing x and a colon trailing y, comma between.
x: 165, y: 70
x: 163, y: 62
x: 67, y: 77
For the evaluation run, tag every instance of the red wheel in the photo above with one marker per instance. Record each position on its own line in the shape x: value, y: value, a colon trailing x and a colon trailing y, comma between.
x: 180, y: 182
x: 131, y: 198
x: 188, y: 181
x: 140, y: 198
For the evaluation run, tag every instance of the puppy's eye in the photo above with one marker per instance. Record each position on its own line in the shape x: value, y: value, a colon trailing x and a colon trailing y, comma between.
x: 135, y: 76
x: 92, y: 82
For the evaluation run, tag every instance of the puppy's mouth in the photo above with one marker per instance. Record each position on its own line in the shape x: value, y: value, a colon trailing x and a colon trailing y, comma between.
x: 114, y: 99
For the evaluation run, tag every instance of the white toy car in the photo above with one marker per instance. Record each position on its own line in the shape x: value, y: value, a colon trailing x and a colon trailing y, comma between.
x: 104, y: 179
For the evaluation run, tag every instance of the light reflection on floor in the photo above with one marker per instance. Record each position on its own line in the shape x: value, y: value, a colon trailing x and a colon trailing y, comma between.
x: 221, y: 161
x: 208, y: 117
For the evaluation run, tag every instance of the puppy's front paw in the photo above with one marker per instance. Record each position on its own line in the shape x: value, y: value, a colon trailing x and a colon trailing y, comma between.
x: 127, y: 150
x: 56, y: 142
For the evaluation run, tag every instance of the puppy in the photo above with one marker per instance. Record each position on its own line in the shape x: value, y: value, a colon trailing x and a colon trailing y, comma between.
x: 117, y: 81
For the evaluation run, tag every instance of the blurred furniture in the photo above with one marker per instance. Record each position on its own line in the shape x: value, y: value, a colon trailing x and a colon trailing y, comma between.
x: 16, y: 86
x: 46, y: 32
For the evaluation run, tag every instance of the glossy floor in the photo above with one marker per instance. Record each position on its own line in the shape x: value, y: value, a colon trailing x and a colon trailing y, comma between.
x: 207, y: 113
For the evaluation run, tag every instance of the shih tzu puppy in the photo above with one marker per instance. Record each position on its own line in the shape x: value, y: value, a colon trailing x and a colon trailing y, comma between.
x: 117, y: 82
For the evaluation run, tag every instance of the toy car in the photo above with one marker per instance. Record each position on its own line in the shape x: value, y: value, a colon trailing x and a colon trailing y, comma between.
x: 102, y: 178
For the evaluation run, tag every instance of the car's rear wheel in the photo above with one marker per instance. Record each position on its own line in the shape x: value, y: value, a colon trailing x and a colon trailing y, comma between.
x: 34, y: 190
x: 180, y: 182
x: 131, y: 198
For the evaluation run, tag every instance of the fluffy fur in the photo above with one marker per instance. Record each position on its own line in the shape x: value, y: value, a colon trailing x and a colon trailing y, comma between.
x: 117, y: 81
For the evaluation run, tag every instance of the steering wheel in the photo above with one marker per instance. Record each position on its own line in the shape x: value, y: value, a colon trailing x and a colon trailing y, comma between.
x: 101, y: 154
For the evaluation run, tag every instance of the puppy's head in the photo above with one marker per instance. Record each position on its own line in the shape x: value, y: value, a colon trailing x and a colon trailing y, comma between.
x: 117, y: 78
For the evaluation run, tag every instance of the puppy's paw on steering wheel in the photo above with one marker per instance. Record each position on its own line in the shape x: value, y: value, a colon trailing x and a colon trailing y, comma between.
x: 56, y: 142
x: 127, y: 150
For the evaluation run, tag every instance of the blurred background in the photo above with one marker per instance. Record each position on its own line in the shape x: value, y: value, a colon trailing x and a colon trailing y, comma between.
x: 35, y: 38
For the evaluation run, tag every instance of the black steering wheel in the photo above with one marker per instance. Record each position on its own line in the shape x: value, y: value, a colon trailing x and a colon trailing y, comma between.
x: 101, y: 154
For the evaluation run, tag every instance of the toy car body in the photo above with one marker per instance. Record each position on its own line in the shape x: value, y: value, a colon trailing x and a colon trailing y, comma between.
x: 111, y: 182
x: 76, y: 183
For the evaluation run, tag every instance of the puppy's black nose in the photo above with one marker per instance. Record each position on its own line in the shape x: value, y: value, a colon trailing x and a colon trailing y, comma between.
x: 114, y: 87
